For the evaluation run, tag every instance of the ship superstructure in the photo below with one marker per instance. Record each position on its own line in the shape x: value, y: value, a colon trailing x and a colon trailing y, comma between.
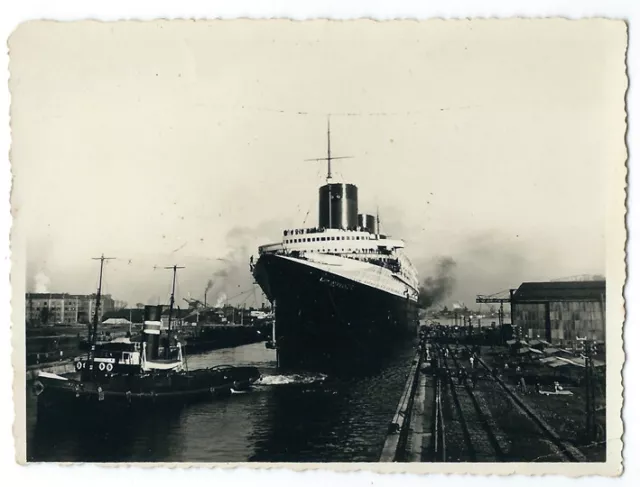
x: 341, y: 287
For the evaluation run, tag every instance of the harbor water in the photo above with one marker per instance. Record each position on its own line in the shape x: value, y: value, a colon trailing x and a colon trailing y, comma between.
x: 286, y: 417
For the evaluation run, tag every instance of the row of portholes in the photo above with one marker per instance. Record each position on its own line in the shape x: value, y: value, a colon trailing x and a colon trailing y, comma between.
x: 324, y: 239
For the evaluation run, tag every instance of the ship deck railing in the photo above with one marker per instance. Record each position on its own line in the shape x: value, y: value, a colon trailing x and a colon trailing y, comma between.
x: 314, y: 230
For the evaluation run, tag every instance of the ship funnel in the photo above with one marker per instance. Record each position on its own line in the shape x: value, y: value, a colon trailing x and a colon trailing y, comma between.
x: 338, y: 206
x: 151, y: 330
x: 368, y: 222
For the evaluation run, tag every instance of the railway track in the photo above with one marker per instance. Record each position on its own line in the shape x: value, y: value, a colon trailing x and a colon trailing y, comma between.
x: 464, y: 429
x: 567, y: 451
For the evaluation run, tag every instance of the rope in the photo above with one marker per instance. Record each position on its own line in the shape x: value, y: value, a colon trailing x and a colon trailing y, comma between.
x: 305, y: 217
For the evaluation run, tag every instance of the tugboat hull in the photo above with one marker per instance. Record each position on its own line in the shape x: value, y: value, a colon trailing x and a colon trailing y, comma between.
x: 56, y: 393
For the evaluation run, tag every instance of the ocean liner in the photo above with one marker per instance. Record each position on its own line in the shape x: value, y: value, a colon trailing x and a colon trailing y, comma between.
x: 341, y: 290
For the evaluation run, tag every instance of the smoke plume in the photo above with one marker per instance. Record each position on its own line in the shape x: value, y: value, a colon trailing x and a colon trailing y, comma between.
x: 234, y: 282
x: 41, y: 282
x: 221, y: 300
x: 209, y: 286
x: 436, y: 288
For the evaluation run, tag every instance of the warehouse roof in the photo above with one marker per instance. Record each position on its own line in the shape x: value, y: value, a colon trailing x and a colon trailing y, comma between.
x: 134, y: 314
x: 561, y: 291
x: 116, y: 321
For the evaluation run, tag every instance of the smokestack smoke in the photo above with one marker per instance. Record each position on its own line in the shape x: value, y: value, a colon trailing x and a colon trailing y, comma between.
x: 209, y: 286
x: 435, y: 289
x: 41, y: 282
x: 222, y: 298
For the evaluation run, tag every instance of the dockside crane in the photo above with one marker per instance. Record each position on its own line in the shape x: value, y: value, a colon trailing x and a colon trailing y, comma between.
x: 193, y: 303
x: 497, y: 298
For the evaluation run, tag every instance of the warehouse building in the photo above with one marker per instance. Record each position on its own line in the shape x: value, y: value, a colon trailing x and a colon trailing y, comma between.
x: 562, y: 313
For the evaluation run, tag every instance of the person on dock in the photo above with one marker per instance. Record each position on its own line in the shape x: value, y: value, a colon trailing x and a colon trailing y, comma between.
x: 462, y: 376
x: 474, y: 380
x: 472, y: 361
x: 522, y: 385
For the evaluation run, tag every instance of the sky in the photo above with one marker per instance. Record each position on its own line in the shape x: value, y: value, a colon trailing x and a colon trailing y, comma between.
x: 185, y: 143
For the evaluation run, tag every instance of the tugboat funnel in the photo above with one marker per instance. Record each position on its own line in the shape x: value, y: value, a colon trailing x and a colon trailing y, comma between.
x: 151, y: 330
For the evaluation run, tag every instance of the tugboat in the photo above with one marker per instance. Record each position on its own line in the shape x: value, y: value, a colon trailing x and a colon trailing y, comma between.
x: 129, y: 373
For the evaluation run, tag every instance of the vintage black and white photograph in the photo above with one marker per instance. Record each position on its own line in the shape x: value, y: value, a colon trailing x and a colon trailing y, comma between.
x: 319, y: 242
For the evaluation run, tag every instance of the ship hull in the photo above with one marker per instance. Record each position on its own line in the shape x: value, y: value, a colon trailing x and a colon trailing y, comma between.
x: 138, y: 392
x: 325, y: 320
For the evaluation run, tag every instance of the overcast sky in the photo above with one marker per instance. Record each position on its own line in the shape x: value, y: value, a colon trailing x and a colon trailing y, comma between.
x: 185, y: 143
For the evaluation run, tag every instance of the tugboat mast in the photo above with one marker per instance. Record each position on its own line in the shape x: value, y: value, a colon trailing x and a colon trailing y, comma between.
x: 94, y: 332
x: 171, y: 303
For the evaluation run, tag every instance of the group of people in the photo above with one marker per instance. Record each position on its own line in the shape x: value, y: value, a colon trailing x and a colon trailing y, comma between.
x: 304, y: 231
x: 463, y: 375
x: 472, y: 371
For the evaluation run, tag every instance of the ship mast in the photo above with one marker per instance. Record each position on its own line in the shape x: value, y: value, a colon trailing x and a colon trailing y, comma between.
x: 329, y: 165
x: 171, y: 303
x: 328, y: 150
x: 329, y: 158
x: 94, y: 332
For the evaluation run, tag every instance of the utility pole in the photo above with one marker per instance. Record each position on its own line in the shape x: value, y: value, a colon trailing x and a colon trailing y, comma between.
x: 171, y: 303
x: 590, y: 406
x: 518, y: 332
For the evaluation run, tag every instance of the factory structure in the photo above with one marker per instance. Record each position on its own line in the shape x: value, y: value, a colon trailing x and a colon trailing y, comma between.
x: 562, y: 313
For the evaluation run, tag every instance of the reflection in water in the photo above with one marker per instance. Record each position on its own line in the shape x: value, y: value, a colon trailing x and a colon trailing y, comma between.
x: 143, y: 438
x: 286, y: 417
x: 342, y: 419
